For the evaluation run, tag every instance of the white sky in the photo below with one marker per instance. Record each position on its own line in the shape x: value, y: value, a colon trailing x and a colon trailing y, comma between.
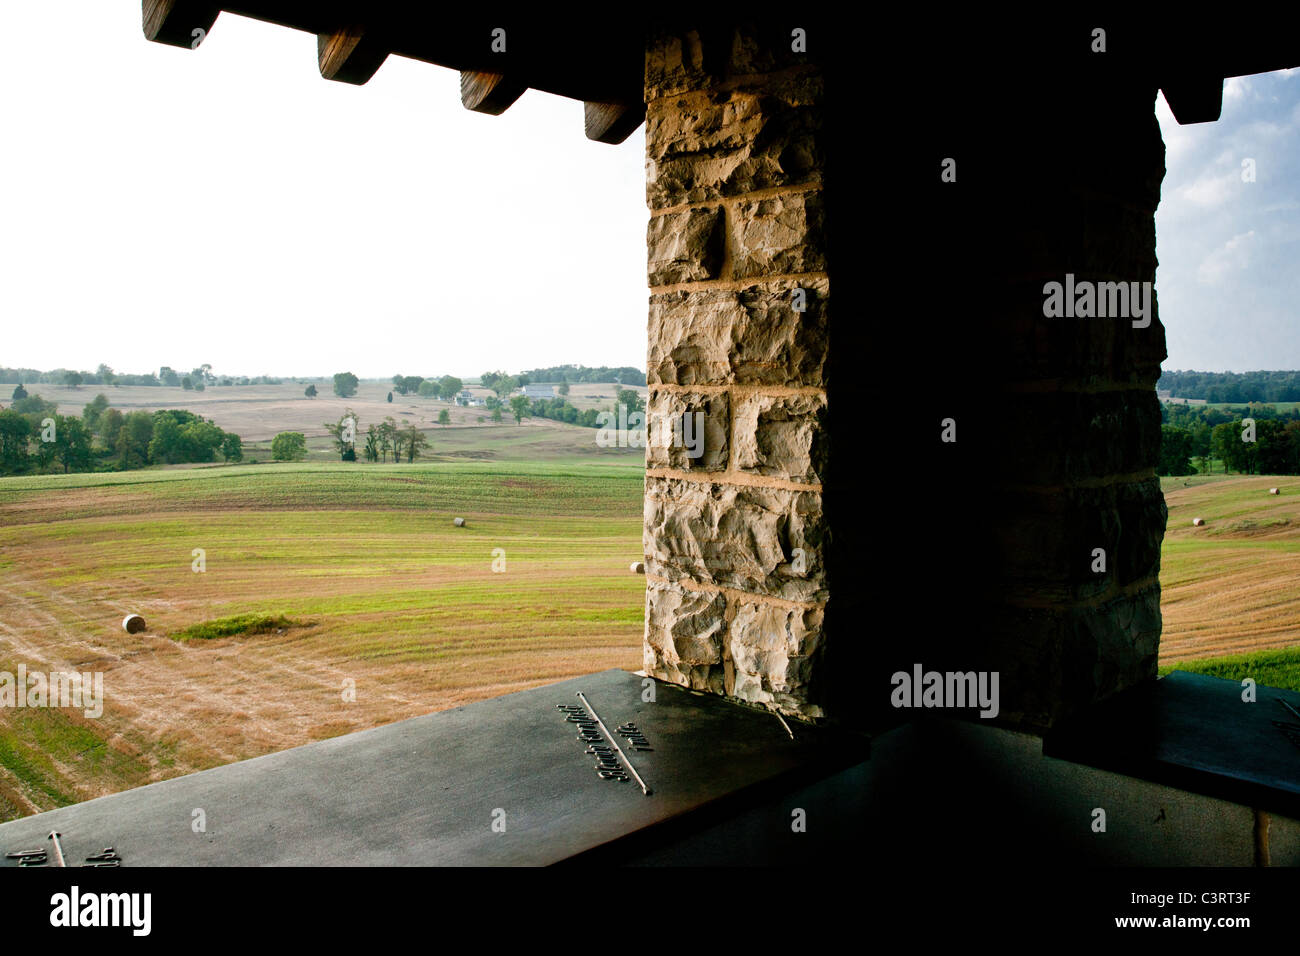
x: 161, y: 206
x: 226, y: 205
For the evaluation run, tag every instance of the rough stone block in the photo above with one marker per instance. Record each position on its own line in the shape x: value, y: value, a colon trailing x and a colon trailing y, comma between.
x: 674, y: 63
x: 750, y: 337
x: 1077, y: 351
x: 764, y: 48
x: 688, y: 430
x: 736, y: 537
x: 685, y: 246
x: 714, y: 145
x: 1051, y: 438
x: 1042, y: 544
x: 774, y: 653
x: 778, y: 235
x: 684, y: 636
x: 782, y: 437
x: 1054, y: 661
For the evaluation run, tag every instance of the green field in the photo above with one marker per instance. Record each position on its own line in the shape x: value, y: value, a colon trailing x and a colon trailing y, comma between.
x: 1280, y: 668
x: 335, y: 597
x: 383, y: 595
x: 1230, y: 589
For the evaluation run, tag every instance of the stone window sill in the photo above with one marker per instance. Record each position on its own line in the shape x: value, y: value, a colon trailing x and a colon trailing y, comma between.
x: 1194, y: 733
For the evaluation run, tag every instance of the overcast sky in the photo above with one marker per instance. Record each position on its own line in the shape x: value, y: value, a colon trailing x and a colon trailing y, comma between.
x: 226, y: 205
x: 1229, y: 276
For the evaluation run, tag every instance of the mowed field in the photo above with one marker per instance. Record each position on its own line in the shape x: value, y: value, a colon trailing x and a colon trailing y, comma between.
x: 256, y: 413
x: 1233, y: 585
x: 390, y: 597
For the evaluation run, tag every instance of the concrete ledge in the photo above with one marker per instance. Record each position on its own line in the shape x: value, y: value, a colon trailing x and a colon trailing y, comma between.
x: 429, y: 790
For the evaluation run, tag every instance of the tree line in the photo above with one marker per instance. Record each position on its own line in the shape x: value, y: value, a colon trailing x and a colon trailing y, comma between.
x: 624, y: 375
x: 197, y: 379
x: 559, y: 409
x: 1191, y: 436
x: 35, y: 438
x: 446, y: 388
x: 1236, y: 387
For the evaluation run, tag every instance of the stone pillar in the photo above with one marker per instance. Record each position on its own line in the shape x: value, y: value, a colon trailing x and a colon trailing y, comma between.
x: 800, y: 566
x: 735, y: 531
x: 1030, y: 546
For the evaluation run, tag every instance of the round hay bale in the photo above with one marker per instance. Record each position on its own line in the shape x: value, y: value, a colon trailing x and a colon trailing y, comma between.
x: 1198, y: 521
x: 638, y: 567
x: 458, y: 522
x: 1273, y: 491
x: 133, y: 624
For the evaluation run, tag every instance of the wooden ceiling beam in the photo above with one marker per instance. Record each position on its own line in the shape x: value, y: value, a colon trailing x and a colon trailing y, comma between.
x: 612, y: 122
x: 182, y: 23
x: 1194, y: 99
x: 611, y: 67
x: 491, y: 93
x: 350, y: 54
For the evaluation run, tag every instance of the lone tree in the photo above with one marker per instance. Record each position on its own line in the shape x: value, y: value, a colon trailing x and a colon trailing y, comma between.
x: 519, y: 406
x: 310, y: 391
x: 14, y: 434
x: 344, y: 433
x: 629, y: 398
x: 499, y: 382
x: 448, y: 386
x: 390, y: 398
x: 345, y: 384
x: 390, y: 438
x: 20, y: 393
x: 444, y: 417
x: 407, y: 383
x: 415, y: 442
x: 232, y: 448
x: 72, y: 444
x: 93, y: 409
x: 73, y: 379
x: 289, y: 446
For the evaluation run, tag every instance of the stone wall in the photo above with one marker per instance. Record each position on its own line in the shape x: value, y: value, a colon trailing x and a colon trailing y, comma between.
x: 735, y: 532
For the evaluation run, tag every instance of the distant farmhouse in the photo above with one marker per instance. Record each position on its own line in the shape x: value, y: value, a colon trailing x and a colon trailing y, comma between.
x: 537, y: 391
x: 463, y: 397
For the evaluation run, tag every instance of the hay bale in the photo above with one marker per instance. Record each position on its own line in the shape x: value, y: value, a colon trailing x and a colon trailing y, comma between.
x: 133, y: 624
x: 458, y: 522
x: 1273, y: 491
x: 638, y: 567
x: 1197, y: 522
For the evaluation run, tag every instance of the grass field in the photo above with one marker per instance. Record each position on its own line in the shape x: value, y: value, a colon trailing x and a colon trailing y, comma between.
x: 1279, y: 668
x: 1233, y: 585
x: 382, y: 594
x: 324, y: 578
